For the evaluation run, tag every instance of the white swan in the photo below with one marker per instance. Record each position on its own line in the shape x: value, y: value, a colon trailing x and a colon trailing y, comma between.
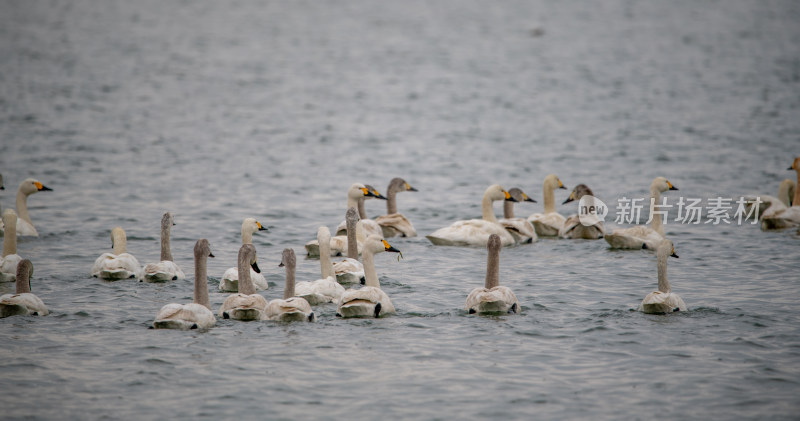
x: 118, y: 264
x: 370, y: 226
x: 291, y: 308
x: 369, y: 300
x: 355, y: 199
x: 520, y: 228
x: 548, y: 224
x: 789, y: 217
x: 573, y: 226
x: 476, y: 232
x: 10, y: 259
x: 634, y: 237
x: 197, y: 314
x: 394, y: 223
x: 325, y: 289
x: 493, y: 297
x: 246, y: 304
x: 663, y: 300
x: 230, y: 279
x: 350, y: 270
x: 24, y: 224
x: 166, y: 269
x: 23, y: 302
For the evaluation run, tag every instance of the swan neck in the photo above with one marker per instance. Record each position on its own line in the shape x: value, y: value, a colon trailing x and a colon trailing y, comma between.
x: 288, y: 291
x: 23, y: 284
x: 166, y: 253
x: 362, y: 212
x: 656, y: 223
x: 369, y: 269
x: 247, y: 236
x: 549, y: 198
x: 22, y: 207
x: 786, y: 192
x: 493, y: 269
x: 10, y: 236
x: 486, y: 209
x: 120, y: 243
x: 246, y: 286
x: 352, y: 241
x: 663, y: 283
x: 508, y: 209
x: 796, y: 198
x: 325, y: 263
x: 391, y: 201
x: 201, y: 281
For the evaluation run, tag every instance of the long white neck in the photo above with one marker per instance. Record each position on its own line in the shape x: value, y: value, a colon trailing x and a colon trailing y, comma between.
x: 120, y: 243
x: 486, y: 209
x: 10, y: 239
x: 656, y: 223
x: 493, y: 269
x: 166, y: 253
x: 549, y: 198
x: 663, y: 283
x: 796, y: 199
x: 201, y: 280
x: 22, y: 207
x: 508, y: 209
x: 325, y: 263
x: 786, y: 192
x: 247, y: 235
x: 246, y: 286
x: 369, y: 268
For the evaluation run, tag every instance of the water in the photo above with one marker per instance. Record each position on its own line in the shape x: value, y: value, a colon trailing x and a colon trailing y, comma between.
x: 218, y: 111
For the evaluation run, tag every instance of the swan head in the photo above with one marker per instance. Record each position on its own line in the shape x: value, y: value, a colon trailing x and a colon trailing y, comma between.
x: 579, y: 191
x: 323, y: 235
x: 167, y: 220
x: 553, y: 182
x: 31, y: 185
x: 247, y: 255
x: 397, y: 184
x: 495, y: 192
x: 373, y: 193
x: 252, y: 226
x: 360, y: 191
x: 202, y: 249
x: 795, y: 165
x: 661, y: 184
x: 519, y: 195
x: 288, y: 258
x: 494, y: 242
x: 9, y: 218
x: 376, y: 244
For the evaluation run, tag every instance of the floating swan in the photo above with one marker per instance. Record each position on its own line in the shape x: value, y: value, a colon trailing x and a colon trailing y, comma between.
x: 770, y: 205
x: 394, y: 223
x: 230, y: 279
x: 350, y: 270
x: 10, y: 259
x: 197, y: 314
x: 369, y: 300
x: 246, y: 304
x: 291, y: 308
x: 23, y: 303
x: 789, y: 217
x: 119, y: 264
x: 634, y: 237
x: 573, y: 226
x: 166, y: 269
x: 663, y: 300
x: 476, y: 232
x: 492, y: 298
x: 325, y: 289
x: 355, y: 199
x: 548, y: 224
x: 370, y: 226
x: 24, y: 224
x: 520, y: 228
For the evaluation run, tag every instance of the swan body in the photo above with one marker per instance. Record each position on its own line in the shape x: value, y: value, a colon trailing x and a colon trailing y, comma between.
x: 476, y: 232
x: 519, y: 228
x: 119, y: 264
x: 166, y: 269
x: 575, y: 228
x: 246, y: 304
x: 634, y: 238
x: 492, y: 298
x: 789, y: 217
x: 769, y: 205
x: 548, y: 223
x: 10, y: 258
x: 663, y: 300
x: 230, y: 278
x: 197, y: 314
x: 325, y: 289
x: 23, y: 302
x: 291, y: 308
x: 394, y: 224
x: 369, y: 300
x: 28, y: 187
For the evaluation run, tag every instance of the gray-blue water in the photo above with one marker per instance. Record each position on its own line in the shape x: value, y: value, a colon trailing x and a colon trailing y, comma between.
x: 218, y: 111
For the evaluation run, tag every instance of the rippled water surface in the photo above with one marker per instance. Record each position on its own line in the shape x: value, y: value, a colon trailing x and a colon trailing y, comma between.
x: 218, y: 111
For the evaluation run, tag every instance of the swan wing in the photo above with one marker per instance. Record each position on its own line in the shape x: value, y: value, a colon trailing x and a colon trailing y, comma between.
x: 499, y: 299
x: 395, y: 225
x: 547, y: 224
x: 22, y: 304
x: 473, y: 232
x: 164, y: 270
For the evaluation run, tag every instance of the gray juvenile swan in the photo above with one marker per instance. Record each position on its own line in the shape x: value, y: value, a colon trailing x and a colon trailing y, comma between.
x: 23, y: 302
x: 166, y: 269
x: 24, y: 223
x: 230, y: 279
x: 291, y: 308
x: 664, y: 300
x: 369, y: 300
x: 493, y: 297
x: 118, y: 264
x: 10, y: 259
x: 246, y: 304
x: 197, y: 314
x: 476, y: 232
x: 573, y: 226
x: 634, y: 237
x: 548, y: 224
x: 394, y: 224
x: 520, y: 228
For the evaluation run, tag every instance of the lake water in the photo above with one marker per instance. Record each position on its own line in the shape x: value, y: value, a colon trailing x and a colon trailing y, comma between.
x: 218, y: 111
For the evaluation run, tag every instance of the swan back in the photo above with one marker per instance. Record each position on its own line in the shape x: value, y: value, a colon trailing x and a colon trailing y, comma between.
x: 24, y: 274
x: 202, y: 251
x: 119, y: 242
x: 10, y: 236
x: 493, y: 262
x: 289, y: 261
x: 247, y: 260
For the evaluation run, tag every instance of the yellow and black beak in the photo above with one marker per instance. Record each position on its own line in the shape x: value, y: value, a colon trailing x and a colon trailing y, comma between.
x: 561, y: 185
x: 42, y: 187
x: 260, y: 227
x: 409, y: 188
x: 673, y: 253
x: 671, y: 187
x: 377, y: 195
x: 254, y: 265
x: 508, y: 197
x: 527, y: 198
x: 569, y: 199
x: 388, y: 247
x: 210, y: 254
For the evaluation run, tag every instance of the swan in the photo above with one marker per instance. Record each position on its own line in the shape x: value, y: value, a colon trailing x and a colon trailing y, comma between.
x: 663, y: 300
x: 355, y: 199
x: 197, y: 314
x: 573, y: 226
x: 770, y: 205
x: 24, y: 224
x: 10, y: 259
x: 492, y: 298
x: 789, y: 217
x: 548, y: 223
x: 394, y: 224
x: 23, y: 302
x: 166, y: 269
x: 350, y: 270
x: 246, y: 304
x: 632, y: 238
x: 291, y: 308
x: 370, y: 226
x: 520, y: 228
x: 325, y: 289
x: 119, y: 264
x: 476, y: 232
x: 369, y: 300
x: 230, y: 279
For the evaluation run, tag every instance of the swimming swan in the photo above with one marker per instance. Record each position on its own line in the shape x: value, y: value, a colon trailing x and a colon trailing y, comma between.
x: 24, y: 224
x: 291, y: 308
x: 492, y: 298
x: 10, y: 259
x: 350, y: 270
x: 573, y: 226
x: 476, y: 232
x: 23, y: 302
x: 370, y: 226
x: 663, y: 301
x: 355, y: 199
x: 325, y: 289
x: 520, y: 228
x: 197, y: 314
x: 548, y: 224
x: 369, y: 300
x: 789, y: 217
x: 633, y: 238
x: 246, y: 304
x: 166, y: 269
x: 770, y: 205
x: 394, y: 224
x: 230, y: 279
x: 118, y: 264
